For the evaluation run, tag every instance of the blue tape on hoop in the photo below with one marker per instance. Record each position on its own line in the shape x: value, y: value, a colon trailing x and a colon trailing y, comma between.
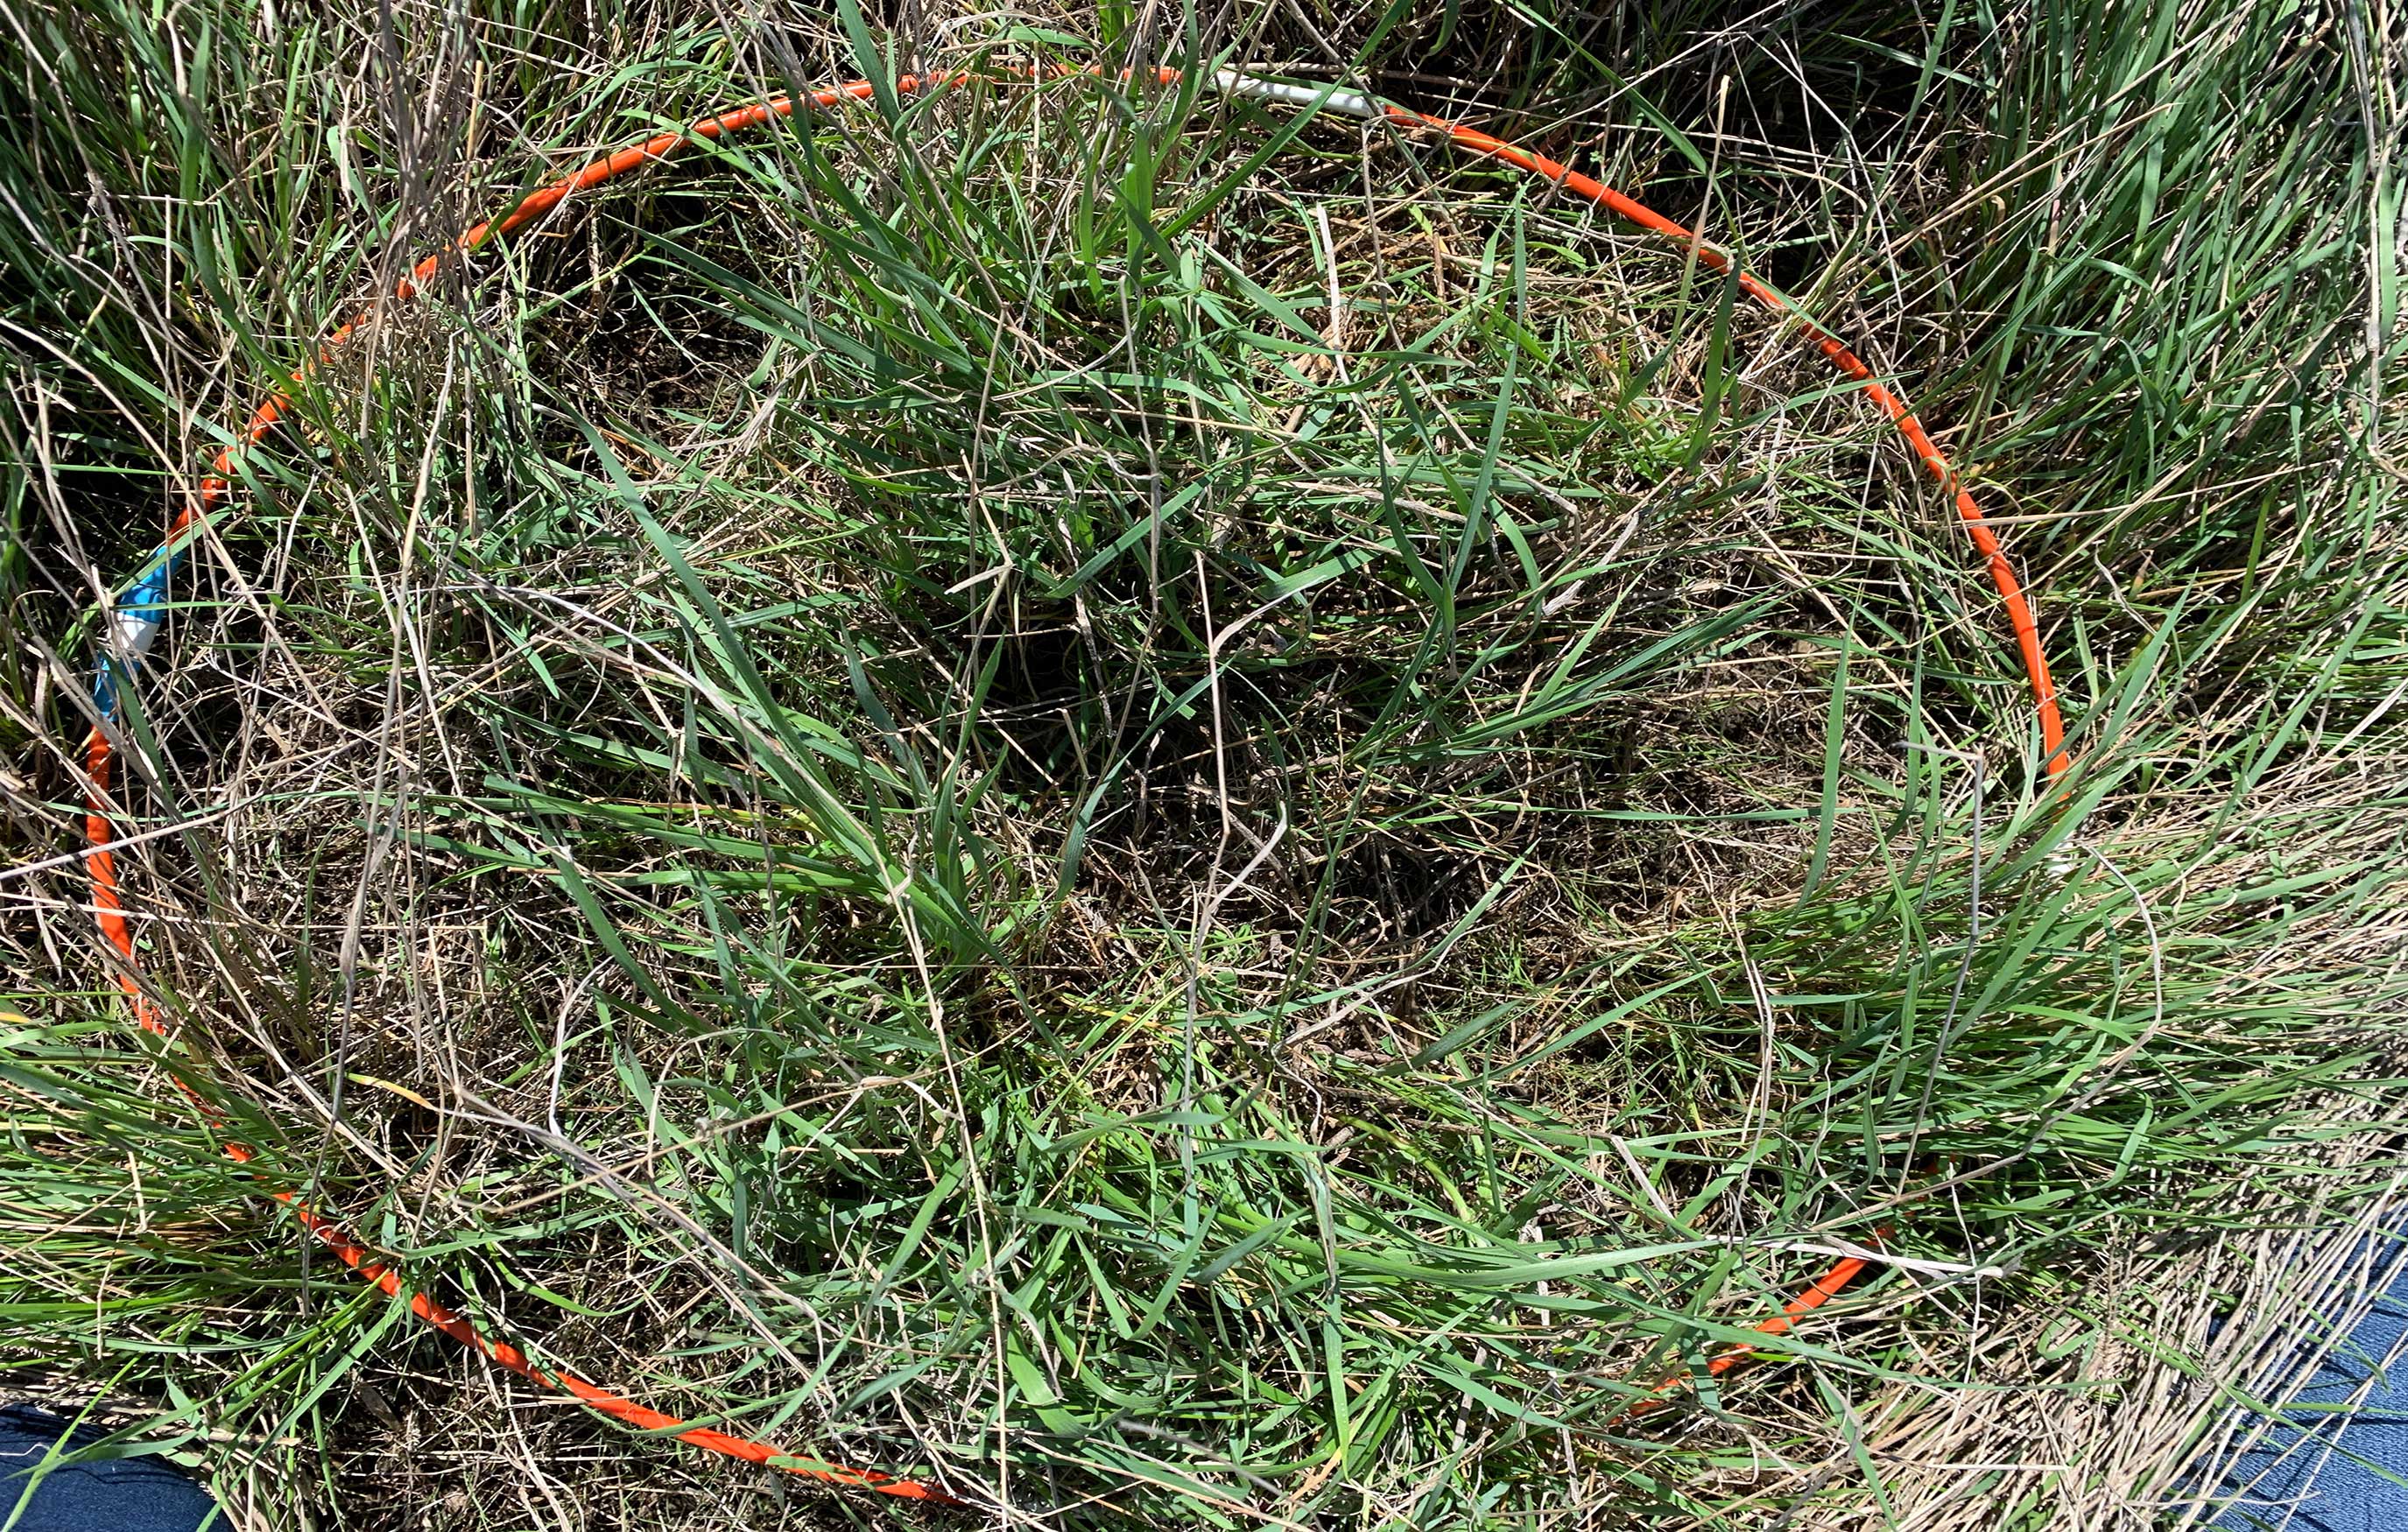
x: 134, y: 625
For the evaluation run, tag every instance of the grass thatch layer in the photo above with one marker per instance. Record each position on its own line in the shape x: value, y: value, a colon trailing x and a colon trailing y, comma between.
x: 1196, y: 839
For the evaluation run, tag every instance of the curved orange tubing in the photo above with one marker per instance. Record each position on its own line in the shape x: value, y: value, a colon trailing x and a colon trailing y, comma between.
x: 216, y: 486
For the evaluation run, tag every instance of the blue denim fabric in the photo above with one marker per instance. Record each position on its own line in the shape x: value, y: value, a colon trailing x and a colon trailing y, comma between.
x: 115, y: 1495
x: 2332, y: 1467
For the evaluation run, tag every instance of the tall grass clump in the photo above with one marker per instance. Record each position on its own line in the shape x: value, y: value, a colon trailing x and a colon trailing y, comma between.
x: 1190, y: 820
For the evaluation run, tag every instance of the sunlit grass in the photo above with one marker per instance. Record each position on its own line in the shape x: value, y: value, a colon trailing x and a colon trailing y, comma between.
x: 895, y: 790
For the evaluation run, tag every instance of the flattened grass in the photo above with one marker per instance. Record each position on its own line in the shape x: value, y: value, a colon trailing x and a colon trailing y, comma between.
x: 986, y: 789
